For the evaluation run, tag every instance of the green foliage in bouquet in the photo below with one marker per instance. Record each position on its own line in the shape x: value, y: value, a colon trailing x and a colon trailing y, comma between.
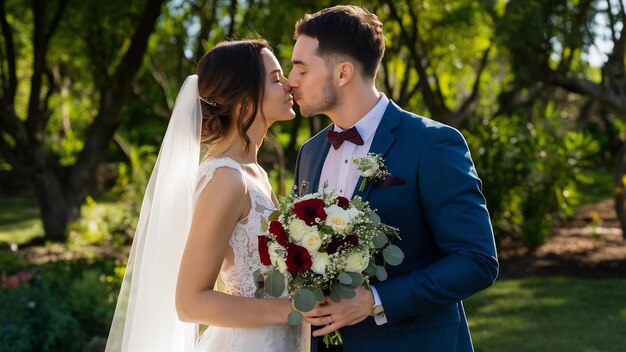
x: 323, y: 245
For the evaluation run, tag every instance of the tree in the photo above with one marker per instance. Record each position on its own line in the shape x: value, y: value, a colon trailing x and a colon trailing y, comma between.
x: 61, y: 189
x: 548, y: 40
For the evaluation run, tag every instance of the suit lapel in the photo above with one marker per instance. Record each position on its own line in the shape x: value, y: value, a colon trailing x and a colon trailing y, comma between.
x: 322, y: 145
x: 383, y: 139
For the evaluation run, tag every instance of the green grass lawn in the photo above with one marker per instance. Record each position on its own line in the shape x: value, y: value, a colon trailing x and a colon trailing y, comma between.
x: 536, y: 314
x: 19, y: 219
x: 549, y: 314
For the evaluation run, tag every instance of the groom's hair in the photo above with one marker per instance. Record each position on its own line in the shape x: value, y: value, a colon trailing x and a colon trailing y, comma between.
x: 346, y: 30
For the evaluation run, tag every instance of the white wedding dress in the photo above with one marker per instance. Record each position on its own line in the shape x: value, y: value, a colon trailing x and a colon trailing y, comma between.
x: 236, y: 277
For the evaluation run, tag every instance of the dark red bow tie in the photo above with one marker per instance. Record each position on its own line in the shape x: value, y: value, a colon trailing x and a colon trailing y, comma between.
x: 350, y: 135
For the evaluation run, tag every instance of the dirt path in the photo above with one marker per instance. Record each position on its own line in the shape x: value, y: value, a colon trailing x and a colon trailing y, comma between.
x: 590, y: 245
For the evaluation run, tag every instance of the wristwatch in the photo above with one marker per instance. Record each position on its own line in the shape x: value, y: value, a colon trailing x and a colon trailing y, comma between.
x: 377, y: 309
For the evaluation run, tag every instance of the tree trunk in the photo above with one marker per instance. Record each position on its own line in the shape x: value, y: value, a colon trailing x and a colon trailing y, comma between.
x: 619, y: 172
x: 57, y: 209
x: 61, y: 190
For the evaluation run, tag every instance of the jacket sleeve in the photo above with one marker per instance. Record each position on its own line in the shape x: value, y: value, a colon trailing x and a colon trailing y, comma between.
x: 456, y: 214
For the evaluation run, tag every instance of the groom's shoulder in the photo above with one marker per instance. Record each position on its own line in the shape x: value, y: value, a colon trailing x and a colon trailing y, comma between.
x: 412, y: 123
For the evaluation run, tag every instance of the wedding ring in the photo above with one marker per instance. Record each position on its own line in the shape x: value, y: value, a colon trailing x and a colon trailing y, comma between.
x: 330, y: 321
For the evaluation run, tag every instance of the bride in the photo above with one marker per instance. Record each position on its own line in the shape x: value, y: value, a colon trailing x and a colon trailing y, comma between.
x: 195, y: 249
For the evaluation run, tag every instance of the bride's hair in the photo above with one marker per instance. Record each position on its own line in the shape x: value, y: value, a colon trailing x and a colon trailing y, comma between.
x: 231, y: 81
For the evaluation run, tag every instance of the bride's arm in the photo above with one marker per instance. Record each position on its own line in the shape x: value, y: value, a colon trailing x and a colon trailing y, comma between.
x: 221, y: 204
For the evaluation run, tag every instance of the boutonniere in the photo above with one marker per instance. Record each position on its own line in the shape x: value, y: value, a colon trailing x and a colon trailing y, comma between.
x: 372, y: 168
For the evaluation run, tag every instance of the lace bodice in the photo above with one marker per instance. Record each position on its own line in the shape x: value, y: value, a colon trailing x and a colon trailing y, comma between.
x: 237, y: 276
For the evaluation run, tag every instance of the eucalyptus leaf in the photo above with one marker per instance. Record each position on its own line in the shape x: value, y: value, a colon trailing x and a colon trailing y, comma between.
x: 380, y: 240
x: 375, y: 218
x: 319, y: 294
x: 257, y: 276
x: 381, y: 273
x: 370, y: 270
x: 304, y: 300
x: 274, y: 215
x: 357, y: 280
x: 294, y: 318
x: 275, y: 284
x: 334, y: 292
x: 393, y: 255
x: 346, y: 292
x: 345, y: 278
x: 259, y: 293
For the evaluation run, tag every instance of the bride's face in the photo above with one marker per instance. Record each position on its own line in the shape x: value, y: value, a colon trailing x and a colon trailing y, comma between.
x: 277, y: 99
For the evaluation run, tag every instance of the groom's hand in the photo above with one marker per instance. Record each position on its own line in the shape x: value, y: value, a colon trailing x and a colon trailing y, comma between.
x: 334, y: 315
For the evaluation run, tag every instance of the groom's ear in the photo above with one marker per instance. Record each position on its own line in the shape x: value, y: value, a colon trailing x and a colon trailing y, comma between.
x: 344, y: 73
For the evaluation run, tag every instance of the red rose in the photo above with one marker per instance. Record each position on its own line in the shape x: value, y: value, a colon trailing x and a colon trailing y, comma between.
x: 310, y: 209
x: 343, y: 202
x: 264, y: 252
x: 298, y: 259
x: 277, y: 229
x: 337, y: 242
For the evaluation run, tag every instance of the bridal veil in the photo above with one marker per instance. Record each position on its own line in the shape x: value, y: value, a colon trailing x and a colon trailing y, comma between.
x: 145, y: 317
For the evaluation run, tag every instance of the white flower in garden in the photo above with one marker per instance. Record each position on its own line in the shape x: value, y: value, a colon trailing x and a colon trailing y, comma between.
x: 298, y: 229
x: 320, y: 261
x: 339, y: 219
x: 357, y: 262
x: 312, y: 242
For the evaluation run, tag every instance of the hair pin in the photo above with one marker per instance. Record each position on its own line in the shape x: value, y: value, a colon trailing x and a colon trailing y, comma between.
x: 210, y: 102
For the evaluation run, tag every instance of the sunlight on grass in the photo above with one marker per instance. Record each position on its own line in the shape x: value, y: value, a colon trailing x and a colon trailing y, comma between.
x: 19, y: 219
x: 549, y: 314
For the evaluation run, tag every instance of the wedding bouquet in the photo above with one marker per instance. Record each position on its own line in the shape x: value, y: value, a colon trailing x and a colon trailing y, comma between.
x: 323, y: 244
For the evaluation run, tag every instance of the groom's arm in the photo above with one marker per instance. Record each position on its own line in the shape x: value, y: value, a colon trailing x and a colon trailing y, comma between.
x: 456, y: 213
x: 457, y: 216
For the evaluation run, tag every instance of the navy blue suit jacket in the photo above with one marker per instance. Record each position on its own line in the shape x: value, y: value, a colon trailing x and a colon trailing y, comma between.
x: 447, y: 238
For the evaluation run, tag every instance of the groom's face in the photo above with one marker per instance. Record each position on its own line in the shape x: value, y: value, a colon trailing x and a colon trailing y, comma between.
x: 310, y: 79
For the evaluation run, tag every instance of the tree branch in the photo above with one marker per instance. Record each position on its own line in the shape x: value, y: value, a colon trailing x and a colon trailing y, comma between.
x: 54, y: 24
x: 9, y: 47
x: 7, y: 152
x: 436, y: 107
x: 232, y: 12
x: 476, y: 87
x: 113, y: 98
x: 206, y: 21
x: 589, y: 88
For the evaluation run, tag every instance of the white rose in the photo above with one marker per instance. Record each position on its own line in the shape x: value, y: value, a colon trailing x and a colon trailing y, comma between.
x: 353, y: 213
x: 312, y: 241
x: 276, y: 257
x: 357, y: 262
x: 338, y: 218
x: 299, y: 228
x: 320, y: 261
x: 369, y: 172
x: 310, y: 196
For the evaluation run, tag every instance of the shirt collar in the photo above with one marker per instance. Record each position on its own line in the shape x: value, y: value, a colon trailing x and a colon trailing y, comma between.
x: 367, y: 125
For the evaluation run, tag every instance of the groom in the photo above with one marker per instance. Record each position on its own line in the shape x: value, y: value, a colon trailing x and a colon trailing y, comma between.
x: 433, y: 194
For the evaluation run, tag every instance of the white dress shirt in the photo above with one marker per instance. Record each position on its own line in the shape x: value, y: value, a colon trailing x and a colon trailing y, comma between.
x: 339, y: 173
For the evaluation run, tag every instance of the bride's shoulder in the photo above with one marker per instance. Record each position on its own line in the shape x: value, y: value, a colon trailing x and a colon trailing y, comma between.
x: 208, y: 166
x: 222, y: 175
